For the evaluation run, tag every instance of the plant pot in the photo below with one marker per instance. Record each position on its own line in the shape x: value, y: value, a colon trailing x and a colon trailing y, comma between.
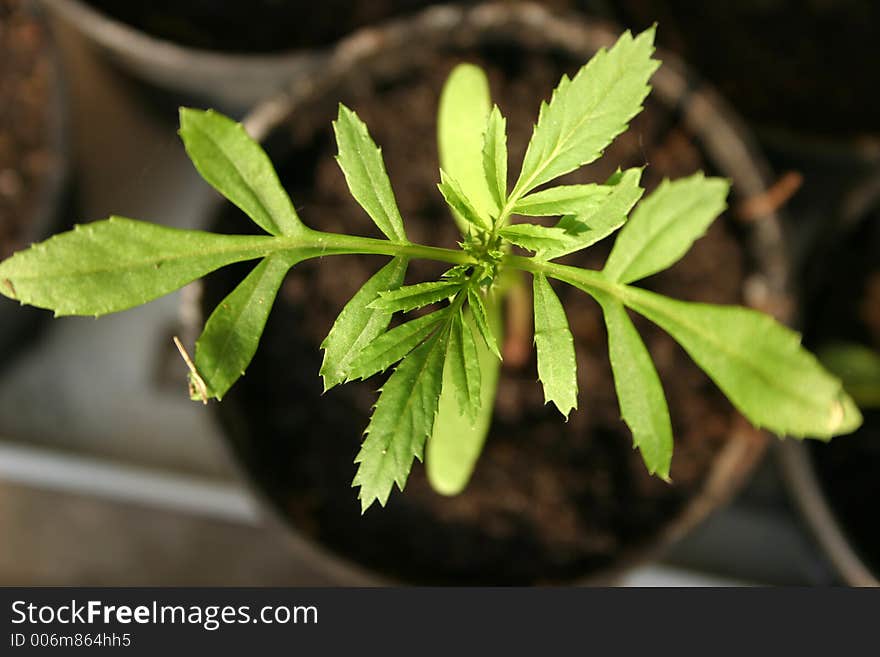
x: 33, y: 146
x: 834, y: 484
x: 550, y: 501
x: 228, y: 55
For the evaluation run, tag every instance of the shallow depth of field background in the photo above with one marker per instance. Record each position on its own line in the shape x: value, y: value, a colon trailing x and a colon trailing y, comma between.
x: 109, y: 475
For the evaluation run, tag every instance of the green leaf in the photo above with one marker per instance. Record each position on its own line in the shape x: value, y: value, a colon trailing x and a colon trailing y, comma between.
x: 495, y: 157
x: 461, y: 122
x: 357, y: 326
x: 481, y: 319
x: 639, y: 392
x: 457, y: 441
x: 562, y: 200
x: 410, y: 297
x: 557, y: 367
x: 586, y: 113
x: 758, y: 363
x: 461, y: 204
x: 464, y: 366
x: 535, y: 238
x: 112, y: 265
x: 598, y: 222
x: 859, y: 369
x: 361, y: 163
x: 237, y: 167
x: 390, y: 347
x: 402, y: 420
x: 665, y: 225
x: 232, y: 333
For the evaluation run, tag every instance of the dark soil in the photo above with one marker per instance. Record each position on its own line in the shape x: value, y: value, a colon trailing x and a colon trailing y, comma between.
x: 847, y: 307
x: 255, y: 25
x: 549, y: 500
x: 788, y: 64
x: 26, y: 157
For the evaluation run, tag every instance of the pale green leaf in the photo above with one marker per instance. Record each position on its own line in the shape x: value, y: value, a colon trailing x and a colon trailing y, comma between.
x: 464, y: 366
x: 232, y: 332
x: 361, y: 163
x: 460, y: 203
x: 665, y: 225
x: 639, y: 391
x: 557, y: 367
x: 534, y: 237
x: 410, y: 297
x: 402, y: 420
x: 357, y: 326
x: 495, y: 157
x: 758, y: 363
x: 457, y: 441
x: 562, y: 200
x: 111, y: 265
x: 586, y: 113
x: 859, y: 369
x: 237, y: 167
x: 390, y: 347
x: 461, y: 122
x: 481, y: 319
x: 599, y: 221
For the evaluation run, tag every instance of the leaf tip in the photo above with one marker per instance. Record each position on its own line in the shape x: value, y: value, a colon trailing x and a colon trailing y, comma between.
x: 367, y: 499
x: 366, y: 503
x: 187, y: 116
x: 565, y: 408
x: 183, y: 113
x: 330, y: 378
x: 844, y: 417
x: 344, y: 112
x: 658, y: 465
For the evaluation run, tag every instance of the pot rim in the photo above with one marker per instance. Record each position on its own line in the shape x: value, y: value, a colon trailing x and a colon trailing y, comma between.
x: 231, y: 81
x: 722, y: 135
x: 800, y: 477
x: 116, y: 35
x: 798, y: 467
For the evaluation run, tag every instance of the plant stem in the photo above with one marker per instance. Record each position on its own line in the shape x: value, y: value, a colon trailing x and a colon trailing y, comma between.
x: 337, y: 244
x: 584, y: 279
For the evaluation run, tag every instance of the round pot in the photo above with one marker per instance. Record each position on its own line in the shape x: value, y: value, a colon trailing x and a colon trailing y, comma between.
x: 550, y: 501
x: 834, y: 484
x: 228, y: 55
x: 33, y: 146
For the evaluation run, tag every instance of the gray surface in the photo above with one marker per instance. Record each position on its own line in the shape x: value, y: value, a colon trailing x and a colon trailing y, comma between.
x: 97, y: 386
x: 110, y: 475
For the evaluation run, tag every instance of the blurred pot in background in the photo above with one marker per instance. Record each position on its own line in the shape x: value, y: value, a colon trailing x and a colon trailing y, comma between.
x: 33, y: 146
x: 228, y: 54
x: 837, y: 486
x: 550, y: 501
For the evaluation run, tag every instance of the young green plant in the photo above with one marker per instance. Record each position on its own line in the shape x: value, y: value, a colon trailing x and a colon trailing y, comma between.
x: 440, y: 394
